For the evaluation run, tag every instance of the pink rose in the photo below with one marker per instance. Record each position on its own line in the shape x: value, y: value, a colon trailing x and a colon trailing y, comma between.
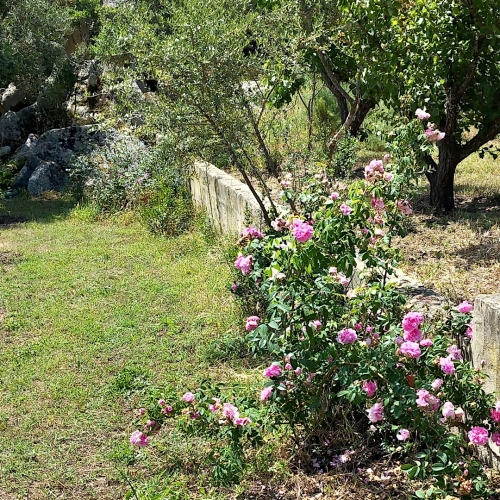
x: 478, y: 436
x: 370, y: 387
x: 334, y: 196
x: 302, y: 231
x: 138, y: 438
x: 188, y: 397
x: 376, y: 413
x: 495, y: 437
x: 413, y: 335
x: 422, y: 115
x: 404, y: 206
x: 447, y: 365
x: 230, y: 412
x: 347, y: 336
x: 436, y: 384
x: 403, y: 434
x: 266, y: 393
x: 465, y: 307
x: 252, y: 323
x: 448, y: 411
x: 454, y: 352
x: 412, y: 321
x: 345, y: 209
x: 410, y: 349
x: 426, y: 343
x: 251, y: 233
x: 272, y: 371
x: 242, y: 421
x: 243, y: 263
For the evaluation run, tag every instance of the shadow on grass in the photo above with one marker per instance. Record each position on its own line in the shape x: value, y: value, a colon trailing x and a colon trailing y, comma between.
x: 43, y: 209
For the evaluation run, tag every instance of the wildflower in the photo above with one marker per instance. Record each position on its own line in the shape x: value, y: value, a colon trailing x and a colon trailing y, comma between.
x: 347, y: 336
x: 243, y: 263
x: 252, y: 323
x: 137, y: 438
x: 370, y: 387
x: 403, y: 434
x: 345, y: 209
x: 422, y: 114
x: 266, y: 393
x: 478, y: 436
x: 447, y: 365
x: 188, y: 397
x: 376, y: 413
x: 410, y: 349
x: 272, y: 371
x: 465, y: 307
x: 302, y: 231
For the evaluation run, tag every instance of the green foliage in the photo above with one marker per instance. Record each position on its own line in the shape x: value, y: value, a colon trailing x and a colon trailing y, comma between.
x: 343, y: 159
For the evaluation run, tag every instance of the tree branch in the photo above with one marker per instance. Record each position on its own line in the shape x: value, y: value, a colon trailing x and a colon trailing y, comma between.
x: 480, y: 139
x: 472, y: 68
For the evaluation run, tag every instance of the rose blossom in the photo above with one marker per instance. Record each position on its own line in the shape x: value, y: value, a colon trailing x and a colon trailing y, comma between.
x: 468, y: 332
x: 465, y: 307
x: 243, y: 263
x: 413, y: 335
x: 298, y: 370
x: 242, y: 421
x: 252, y: 323
x: 448, y: 411
x: 266, y: 393
x: 412, y: 320
x: 495, y: 437
x: 404, y: 206
x: 447, y: 365
x: 411, y: 349
x: 454, y: 352
x: 347, y: 336
x: 302, y: 231
x: 422, y: 114
x: 426, y: 400
x: 137, y: 438
x: 426, y: 343
x: 188, y: 397
x: 230, y: 412
x: 478, y: 435
x: 345, y: 209
x: 315, y: 324
x: 334, y: 196
x: 403, y: 434
x: 495, y: 413
x: 272, y: 371
x: 376, y: 413
x: 436, y: 384
x: 370, y: 387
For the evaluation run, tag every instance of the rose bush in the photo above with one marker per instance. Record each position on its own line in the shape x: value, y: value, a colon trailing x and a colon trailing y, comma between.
x: 344, y: 352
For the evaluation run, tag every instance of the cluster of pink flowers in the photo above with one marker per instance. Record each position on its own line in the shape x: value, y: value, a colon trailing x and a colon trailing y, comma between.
x: 340, y: 277
x: 448, y: 411
x: 347, y: 336
x: 188, y: 397
x: 252, y: 323
x: 273, y: 370
x: 370, y: 387
x: 250, y: 233
x: 279, y: 224
x: 265, y: 394
x: 375, y: 171
x: 244, y: 264
x: 433, y: 134
x: 165, y: 408
x: 411, y: 323
x: 495, y: 413
x: 302, y: 231
x: 229, y: 412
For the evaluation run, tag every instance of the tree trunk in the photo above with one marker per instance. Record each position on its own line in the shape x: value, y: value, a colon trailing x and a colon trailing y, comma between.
x: 441, y: 179
x: 364, y: 107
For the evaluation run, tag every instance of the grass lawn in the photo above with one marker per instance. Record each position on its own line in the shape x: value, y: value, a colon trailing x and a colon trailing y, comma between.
x: 92, y: 315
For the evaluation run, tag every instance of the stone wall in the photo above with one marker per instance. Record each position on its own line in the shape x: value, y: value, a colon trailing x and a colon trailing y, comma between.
x: 229, y: 203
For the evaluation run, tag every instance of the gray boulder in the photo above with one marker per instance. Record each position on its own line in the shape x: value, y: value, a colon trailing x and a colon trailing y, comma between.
x: 47, y: 176
x: 15, y: 126
x: 11, y: 98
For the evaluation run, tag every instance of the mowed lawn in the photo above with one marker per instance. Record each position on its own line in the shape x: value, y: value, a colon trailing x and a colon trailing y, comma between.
x: 91, y: 314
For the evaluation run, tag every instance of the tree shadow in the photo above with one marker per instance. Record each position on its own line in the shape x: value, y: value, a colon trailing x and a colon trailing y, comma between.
x: 45, y: 209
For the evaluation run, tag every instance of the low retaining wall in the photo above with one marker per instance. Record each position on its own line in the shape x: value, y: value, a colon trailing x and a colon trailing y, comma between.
x: 229, y: 203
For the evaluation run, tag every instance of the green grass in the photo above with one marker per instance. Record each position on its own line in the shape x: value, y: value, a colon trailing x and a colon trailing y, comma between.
x: 92, y: 314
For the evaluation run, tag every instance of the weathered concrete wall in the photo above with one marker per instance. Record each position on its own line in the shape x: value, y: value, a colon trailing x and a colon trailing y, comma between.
x: 229, y: 203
